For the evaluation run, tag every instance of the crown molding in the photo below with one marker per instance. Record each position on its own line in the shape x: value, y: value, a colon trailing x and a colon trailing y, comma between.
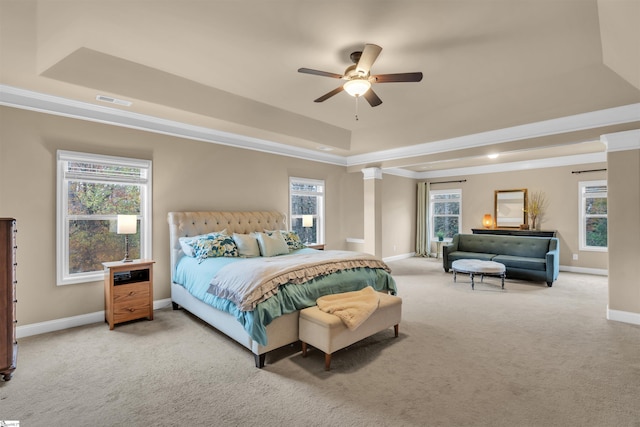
x: 35, y: 101
x: 622, y: 141
x: 518, y: 166
x: 612, y: 116
x: 578, y: 159
x: 43, y: 103
x: 371, y: 173
x: 404, y: 173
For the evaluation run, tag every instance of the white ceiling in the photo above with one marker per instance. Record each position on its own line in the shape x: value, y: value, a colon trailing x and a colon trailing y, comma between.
x: 529, y: 79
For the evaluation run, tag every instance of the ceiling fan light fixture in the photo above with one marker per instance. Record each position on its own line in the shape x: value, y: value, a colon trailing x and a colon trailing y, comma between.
x: 357, y: 87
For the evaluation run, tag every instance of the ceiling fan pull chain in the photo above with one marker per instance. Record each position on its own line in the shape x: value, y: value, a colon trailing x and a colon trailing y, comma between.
x: 357, y: 96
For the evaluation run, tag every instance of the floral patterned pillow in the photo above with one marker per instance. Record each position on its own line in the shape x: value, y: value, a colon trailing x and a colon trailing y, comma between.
x: 186, y: 243
x: 291, y: 237
x: 214, y: 245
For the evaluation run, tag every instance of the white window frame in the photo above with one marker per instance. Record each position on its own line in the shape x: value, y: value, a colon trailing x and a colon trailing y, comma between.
x: 319, y: 216
x: 433, y: 193
x: 62, y: 199
x: 582, y: 220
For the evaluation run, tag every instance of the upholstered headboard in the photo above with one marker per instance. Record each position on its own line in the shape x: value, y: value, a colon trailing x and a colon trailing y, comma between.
x: 186, y: 224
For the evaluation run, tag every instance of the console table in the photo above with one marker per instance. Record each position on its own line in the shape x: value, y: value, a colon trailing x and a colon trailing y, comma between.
x: 515, y: 232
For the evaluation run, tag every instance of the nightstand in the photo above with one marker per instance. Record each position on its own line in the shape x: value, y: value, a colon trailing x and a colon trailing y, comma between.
x: 319, y: 246
x: 128, y: 291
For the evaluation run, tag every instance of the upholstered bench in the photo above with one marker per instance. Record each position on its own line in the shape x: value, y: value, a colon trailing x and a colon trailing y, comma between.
x: 328, y: 333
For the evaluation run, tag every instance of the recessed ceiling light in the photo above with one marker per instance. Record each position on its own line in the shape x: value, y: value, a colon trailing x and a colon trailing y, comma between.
x: 493, y: 155
x: 112, y: 100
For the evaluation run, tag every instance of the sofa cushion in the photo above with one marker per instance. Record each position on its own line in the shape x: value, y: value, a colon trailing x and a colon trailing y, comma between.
x: 535, y: 247
x: 470, y: 255
x: 521, y: 262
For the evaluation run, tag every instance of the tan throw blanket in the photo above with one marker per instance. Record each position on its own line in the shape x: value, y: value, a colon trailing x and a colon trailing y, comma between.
x: 353, y: 308
x: 251, y: 281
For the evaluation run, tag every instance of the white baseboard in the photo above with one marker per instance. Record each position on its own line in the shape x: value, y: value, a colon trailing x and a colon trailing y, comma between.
x: 354, y: 240
x: 72, y: 322
x: 583, y: 270
x: 399, y: 257
x: 623, y: 316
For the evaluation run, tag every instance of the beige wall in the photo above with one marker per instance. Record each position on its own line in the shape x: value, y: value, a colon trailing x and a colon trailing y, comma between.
x: 352, y: 205
x: 187, y: 175
x: 398, y: 216
x: 398, y: 213
x: 624, y: 230
x: 190, y: 175
x: 561, y: 189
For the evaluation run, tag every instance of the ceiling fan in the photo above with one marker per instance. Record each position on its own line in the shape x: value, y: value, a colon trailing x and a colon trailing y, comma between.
x: 358, y: 76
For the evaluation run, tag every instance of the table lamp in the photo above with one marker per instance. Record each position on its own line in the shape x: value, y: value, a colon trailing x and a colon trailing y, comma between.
x: 127, y: 224
x: 487, y: 221
x: 307, y: 222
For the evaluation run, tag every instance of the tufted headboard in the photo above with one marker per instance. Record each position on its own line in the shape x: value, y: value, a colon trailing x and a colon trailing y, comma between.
x: 186, y: 224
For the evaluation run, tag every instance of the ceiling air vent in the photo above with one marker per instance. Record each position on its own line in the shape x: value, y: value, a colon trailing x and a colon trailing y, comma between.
x: 111, y: 100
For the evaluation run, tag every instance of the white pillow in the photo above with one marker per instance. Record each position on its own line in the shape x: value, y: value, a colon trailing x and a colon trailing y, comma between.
x: 247, y: 245
x: 185, y: 242
x: 272, y: 245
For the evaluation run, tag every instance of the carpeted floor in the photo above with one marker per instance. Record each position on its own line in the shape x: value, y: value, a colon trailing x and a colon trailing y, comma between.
x: 526, y: 356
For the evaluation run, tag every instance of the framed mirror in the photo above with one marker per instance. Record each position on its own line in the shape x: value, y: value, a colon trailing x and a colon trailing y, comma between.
x: 510, y: 208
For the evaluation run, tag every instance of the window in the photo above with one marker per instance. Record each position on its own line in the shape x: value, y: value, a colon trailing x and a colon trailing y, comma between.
x: 445, y: 209
x: 593, y: 215
x: 92, y: 191
x: 306, y: 209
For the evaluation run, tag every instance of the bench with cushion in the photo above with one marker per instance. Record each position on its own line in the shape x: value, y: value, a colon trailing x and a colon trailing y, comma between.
x: 328, y: 333
x: 525, y: 257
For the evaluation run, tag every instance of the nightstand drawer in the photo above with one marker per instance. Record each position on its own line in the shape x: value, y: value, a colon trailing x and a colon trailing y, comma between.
x: 131, y: 301
x: 135, y: 310
x: 133, y: 291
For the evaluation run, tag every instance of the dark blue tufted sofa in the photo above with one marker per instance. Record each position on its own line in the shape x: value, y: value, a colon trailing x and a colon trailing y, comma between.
x: 525, y: 257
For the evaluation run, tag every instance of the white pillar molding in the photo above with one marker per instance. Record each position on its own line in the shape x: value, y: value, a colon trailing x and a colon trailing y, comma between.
x: 371, y: 173
x: 622, y: 141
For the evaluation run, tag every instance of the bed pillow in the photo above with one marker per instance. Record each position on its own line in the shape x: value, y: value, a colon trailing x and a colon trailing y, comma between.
x: 217, y: 245
x: 247, y: 245
x: 185, y: 242
x: 293, y: 240
x: 291, y: 237
x: 272, y: 245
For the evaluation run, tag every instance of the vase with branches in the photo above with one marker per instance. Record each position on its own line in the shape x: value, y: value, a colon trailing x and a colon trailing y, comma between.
x: 535, y: 208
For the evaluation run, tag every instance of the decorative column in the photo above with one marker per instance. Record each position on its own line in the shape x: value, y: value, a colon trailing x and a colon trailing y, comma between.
x: 372, y: 211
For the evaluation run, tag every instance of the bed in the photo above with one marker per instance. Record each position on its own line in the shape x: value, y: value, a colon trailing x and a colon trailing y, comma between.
x: 269, y: 320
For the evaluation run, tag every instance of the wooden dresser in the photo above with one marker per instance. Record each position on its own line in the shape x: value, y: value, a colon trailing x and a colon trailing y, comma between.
x: 8, y: 343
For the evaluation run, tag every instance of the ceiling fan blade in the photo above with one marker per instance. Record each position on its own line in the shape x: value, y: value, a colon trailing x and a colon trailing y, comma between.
x: 330, y: 94
x: 319, y: 73
x: 372, y: 98
x: 368, y: 57
x: 400, y: 77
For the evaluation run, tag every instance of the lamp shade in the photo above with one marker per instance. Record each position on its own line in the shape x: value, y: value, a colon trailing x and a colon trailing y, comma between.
x: 127, y: 224
x: 307, y: 220
x: 357, y: 87
x: 487, y: 221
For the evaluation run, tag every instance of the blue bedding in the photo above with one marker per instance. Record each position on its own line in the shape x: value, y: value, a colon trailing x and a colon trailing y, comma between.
x: 196, y: 278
